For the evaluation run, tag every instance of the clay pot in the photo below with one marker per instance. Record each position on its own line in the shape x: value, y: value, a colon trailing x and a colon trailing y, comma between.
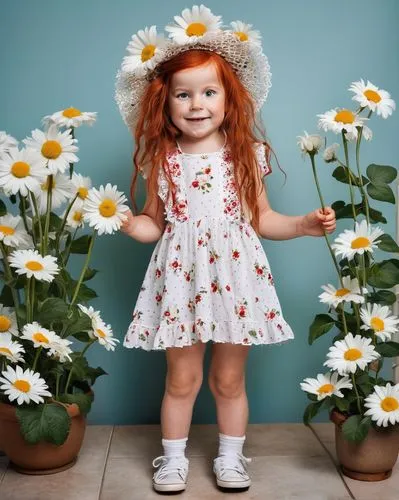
x: 43, y: 457
x: 373, y: 458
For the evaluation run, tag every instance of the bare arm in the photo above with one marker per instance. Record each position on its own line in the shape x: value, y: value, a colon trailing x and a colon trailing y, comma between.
x: 149, y: 226
x: 276, y: 226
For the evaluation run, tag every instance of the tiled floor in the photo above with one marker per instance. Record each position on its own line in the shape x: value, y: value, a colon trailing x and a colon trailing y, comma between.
x: 289, y: 461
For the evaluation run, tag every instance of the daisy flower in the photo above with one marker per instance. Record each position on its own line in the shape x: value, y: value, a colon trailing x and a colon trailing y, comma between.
x: 41, y: 337
x: 103, y: 209
x: 24, y: 386
x: 12, y: 231
x: 362, y: 239
x: 7, y: 142
x: 31, y: 263
x: 75, y: 215
x: 349, y: 293
x: 369, y: 96
x: 379, y: 320
x: 330, y: 153
x: 310, y: 143
x: 22, y: 171
x: 10, y: 349
x: 81, y: 186
x: 245, y: 34
x: 60, y: 350
x: 104, y: 335
x: 89, y: 311
x: 57, y: 148
x: 8, y: 321
x: 337, y: 120
x: 383, y: 405
x: 146, y: 50
x: 70, y: 117
x: 61, y: 191
x: 326, y: 385
x: 351, y: 352
x: 194, y: 25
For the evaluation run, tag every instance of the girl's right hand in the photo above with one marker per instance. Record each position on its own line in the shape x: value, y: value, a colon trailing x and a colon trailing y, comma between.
x: 127, y: 224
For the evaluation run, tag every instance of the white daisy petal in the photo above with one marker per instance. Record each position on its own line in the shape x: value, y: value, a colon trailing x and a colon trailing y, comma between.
x: 369, y: 96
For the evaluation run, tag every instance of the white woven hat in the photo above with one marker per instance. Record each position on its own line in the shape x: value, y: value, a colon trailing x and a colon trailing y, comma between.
x: 197, y: 28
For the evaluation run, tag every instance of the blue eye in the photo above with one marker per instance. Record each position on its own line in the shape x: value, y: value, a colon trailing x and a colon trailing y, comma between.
x: 179, y: 95
x: 213, y: 92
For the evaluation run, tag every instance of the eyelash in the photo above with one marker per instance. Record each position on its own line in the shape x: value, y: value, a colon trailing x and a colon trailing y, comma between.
x: 178, y: 95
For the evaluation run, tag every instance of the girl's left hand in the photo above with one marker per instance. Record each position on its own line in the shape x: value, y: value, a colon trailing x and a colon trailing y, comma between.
x: 317, y: 222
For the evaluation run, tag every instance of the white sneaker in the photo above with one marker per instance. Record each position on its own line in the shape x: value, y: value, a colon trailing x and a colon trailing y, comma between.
x: 172, y: 473
x: 231, y: 471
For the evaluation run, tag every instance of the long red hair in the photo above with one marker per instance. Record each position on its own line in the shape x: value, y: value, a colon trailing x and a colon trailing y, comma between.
x: 155, y: 135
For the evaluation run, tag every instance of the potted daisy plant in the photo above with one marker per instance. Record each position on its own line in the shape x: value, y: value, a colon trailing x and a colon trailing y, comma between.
x: 46, y: 327
x: 363, y: 404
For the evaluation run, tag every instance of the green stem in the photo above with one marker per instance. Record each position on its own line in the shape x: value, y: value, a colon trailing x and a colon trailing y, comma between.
x: 361, y: 187
x: 34, y: 203
x: 344, y: 319
x: 59, y: 233
x: 80, y: 356
x: 323, y: 207
x: 350, y: 182
x: 39, y: 350
x: 357, y: 394
x: 82, y: 274
x: 8, y: 276
x: 48, y: 210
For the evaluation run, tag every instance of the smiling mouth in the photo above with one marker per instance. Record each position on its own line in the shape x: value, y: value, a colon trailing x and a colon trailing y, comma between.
x: 197, y: 119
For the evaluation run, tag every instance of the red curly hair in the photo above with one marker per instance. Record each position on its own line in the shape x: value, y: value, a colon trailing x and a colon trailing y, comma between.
x: 155, y: 134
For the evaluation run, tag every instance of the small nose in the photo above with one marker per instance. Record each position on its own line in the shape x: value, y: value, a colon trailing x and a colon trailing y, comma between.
x: 196, y: 102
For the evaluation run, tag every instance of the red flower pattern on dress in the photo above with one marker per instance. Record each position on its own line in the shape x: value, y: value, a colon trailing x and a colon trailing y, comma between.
x: 260, y: 271
x: 188, y: 275
x: 213, y: 257
x: 235, y: 254
x: 241, y: 309
x: 175, y: 265
x: 202, y: 178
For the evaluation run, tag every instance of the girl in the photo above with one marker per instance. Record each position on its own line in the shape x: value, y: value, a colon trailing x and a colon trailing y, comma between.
x: 191, y: 103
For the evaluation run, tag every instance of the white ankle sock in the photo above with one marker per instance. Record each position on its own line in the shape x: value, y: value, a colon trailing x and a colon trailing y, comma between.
x: 174, y: 447
x: 230, y: 445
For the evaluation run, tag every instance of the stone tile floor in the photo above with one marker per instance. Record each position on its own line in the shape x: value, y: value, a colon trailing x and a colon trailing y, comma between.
x: 289, y: 461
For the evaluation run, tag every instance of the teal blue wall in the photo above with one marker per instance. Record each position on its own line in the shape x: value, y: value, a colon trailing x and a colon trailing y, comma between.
x: 56, y: 54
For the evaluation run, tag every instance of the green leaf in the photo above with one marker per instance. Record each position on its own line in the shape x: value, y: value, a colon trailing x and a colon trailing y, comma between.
x: 387, y: 243
x: 78, y: 323
x: 381, y: 192
x: 343, y: 211
x: 341, y: 174
x: 81, y: 245
x: 89, y: 274
x: 356, y: 428
x: 44, y: 422
x: 375, y: 216
x: 381, y: 174
x: 311, y: 411
x: 384, y: 274
x: 3, y: 209
x: 384, y: 297
x: 82, y: 400
x: 341, y: 403
x: 388, y: 349
x: 321, y: 325
x: 94, y: 373
x: 52, y: 309
x: 85, y: 293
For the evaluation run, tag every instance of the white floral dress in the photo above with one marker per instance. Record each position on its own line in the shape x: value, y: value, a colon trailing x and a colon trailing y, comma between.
x: 208, y: 277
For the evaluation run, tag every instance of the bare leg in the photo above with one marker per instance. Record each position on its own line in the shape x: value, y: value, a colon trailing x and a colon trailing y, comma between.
x: 227, y: 384
x: 183, y: 382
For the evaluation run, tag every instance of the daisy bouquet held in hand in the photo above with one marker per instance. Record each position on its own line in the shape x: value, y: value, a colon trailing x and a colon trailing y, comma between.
x: 45, y: 328
x: 360, y: 303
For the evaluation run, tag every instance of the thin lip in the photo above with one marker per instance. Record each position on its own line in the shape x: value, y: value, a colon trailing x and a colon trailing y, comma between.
x: 198, y: 118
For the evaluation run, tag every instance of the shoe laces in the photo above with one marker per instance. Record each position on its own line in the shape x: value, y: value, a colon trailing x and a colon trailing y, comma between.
x: 170, y: 465
x: 236, y: 462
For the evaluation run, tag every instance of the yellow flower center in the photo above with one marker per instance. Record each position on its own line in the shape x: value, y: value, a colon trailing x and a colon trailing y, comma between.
x: 352, y: 354
x: 7, y: 230
x: 51, y: 149
x: 148, y: 52
x: 341, y: 292
x: 371, y: 95
x: 71, y: 112
x: 360, y: 242
x: 195, y: 29
x: 389, y: 404
x: 77, y: 216
x: 5, y: 324
x: 242, y: 36
x: 22, y: 385
x: 325, y: 388
x: 45, y: 186
x: 377, y: 324
x: 83, y: 192
x: 5, y: 350
x: 100, y: 333
x: 39, y: 337
x: 344, y: 116
x: 33, y: 265
x: 107, y: 208
x: 20, y: 169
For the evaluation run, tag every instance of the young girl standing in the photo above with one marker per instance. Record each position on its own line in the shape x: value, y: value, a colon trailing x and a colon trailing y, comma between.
x: 190, y: 103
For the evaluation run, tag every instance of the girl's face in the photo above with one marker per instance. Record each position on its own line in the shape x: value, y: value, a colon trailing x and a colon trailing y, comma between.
x: 196, y: 101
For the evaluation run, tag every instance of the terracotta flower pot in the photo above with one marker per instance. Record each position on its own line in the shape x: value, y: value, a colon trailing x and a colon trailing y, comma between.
x: 373, y: 458
x: 43, y: 457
